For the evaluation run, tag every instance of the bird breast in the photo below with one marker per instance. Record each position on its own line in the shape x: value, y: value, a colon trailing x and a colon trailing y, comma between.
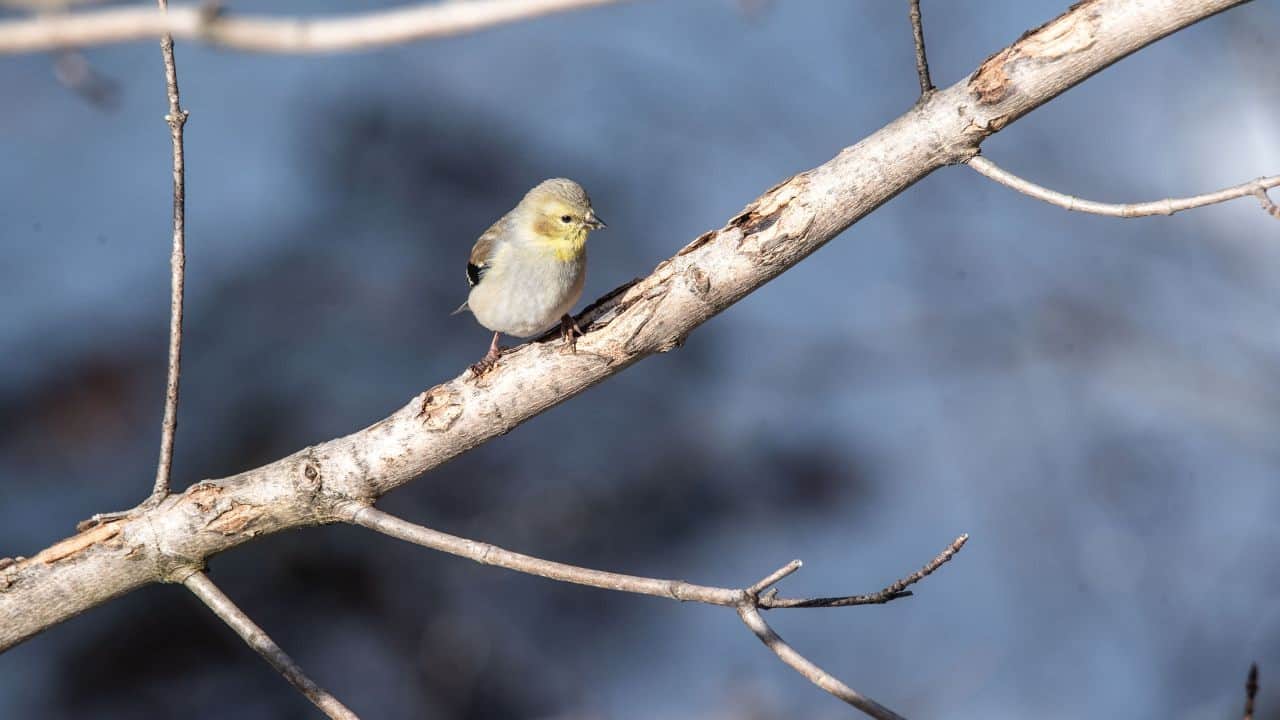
x: 527, y: 290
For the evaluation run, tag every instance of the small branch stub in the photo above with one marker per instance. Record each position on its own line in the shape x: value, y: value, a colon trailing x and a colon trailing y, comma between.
x: 753, y: 592
x: 1260, y: 192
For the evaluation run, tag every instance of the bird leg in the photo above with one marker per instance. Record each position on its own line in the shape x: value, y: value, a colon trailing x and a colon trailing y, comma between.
x: 569, y: 332
x: 490, y: 359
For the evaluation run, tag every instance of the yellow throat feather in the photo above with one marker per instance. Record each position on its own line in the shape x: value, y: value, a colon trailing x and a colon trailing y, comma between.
x: 567, y: 244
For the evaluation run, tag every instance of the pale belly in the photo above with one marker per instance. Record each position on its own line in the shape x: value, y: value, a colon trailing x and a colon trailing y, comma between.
x: 524, y: 304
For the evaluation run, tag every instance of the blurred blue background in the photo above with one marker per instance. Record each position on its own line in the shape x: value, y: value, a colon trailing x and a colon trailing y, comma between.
x: 1096, y: 401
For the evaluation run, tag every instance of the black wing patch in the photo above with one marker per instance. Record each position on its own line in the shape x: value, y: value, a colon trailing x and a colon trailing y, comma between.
x: 475, y: 273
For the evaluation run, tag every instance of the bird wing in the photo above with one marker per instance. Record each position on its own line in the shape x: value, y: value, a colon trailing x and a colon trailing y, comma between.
x: 482, y: 252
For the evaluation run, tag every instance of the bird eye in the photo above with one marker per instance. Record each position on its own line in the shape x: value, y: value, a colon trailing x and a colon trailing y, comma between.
x: 565, y: 219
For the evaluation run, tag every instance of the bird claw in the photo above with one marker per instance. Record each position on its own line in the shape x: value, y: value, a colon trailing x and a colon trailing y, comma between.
x: 483, y: 366
x: 569, y: 332
x: 486, y: 364
x: 490, y: 359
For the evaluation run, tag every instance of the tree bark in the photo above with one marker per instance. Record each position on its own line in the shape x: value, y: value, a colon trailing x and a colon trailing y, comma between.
x: 171, y: 541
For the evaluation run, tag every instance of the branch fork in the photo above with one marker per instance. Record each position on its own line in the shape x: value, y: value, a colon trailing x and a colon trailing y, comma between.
x: 747, y: 601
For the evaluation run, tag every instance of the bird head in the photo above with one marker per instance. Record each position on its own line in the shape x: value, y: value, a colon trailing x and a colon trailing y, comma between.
x: 560, y: 212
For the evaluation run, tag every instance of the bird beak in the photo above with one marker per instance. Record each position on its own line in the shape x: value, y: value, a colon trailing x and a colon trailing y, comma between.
x: 594, y: 222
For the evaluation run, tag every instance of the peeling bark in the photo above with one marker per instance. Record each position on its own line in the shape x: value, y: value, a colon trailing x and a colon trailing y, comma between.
x: 1070, y: 33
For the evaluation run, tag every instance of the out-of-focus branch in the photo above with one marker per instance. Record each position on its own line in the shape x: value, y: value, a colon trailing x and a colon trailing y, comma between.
x: 1250, y: 691
x: 922, y: 62
x: 653, y: 315
x: 1168, y: 206
x: 205, y: 23
x: 202, y: 587
x: 748, y: 601
x: 46, y: 5
x: 74, y: 71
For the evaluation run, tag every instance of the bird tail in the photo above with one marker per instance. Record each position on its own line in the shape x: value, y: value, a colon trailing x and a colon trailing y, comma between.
x: 461, y: 308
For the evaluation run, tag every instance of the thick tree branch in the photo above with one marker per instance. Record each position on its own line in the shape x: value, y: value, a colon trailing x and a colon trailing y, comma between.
x: 748, y: 601
x: 204, y: 23
x: 1168, y: 206
x: 202, y: 587
x: 652, y: 315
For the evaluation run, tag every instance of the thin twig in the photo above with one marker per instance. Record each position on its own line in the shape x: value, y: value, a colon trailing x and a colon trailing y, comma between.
x: 486, y: 554
x: 1250, y: 691
x: 202, y: 587
x: 892, y: 592
x: 816, y: 675
x: 922, y: 62
x: 747, y: 600
x: 1168, y: 206
x: 204, y: 23
x: 176, y: 118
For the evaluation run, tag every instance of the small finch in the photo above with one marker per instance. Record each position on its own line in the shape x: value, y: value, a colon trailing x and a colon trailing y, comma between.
x: 527, y: 270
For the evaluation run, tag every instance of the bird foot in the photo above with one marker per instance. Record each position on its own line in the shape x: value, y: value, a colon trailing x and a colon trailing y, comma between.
x: 490, y: 359
x: 487, y: 363
x: 569, y: 332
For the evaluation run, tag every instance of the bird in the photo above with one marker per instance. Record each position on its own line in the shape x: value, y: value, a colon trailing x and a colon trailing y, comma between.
x: 528, y: 269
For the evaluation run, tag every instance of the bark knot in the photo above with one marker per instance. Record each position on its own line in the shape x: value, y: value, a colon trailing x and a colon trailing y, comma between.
x: 441, y: 408
x: 698, y: 281
x: 312, y: 477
